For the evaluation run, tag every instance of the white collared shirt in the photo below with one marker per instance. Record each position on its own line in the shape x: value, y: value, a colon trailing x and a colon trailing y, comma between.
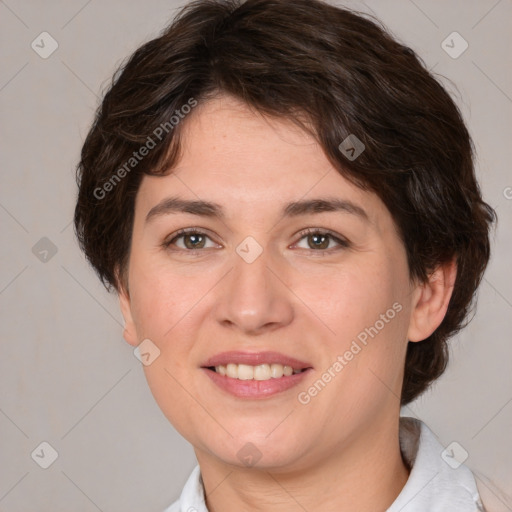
x: 434, y: 485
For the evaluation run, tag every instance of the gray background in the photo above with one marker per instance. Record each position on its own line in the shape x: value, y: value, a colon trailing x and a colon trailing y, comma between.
x: 68, y: 377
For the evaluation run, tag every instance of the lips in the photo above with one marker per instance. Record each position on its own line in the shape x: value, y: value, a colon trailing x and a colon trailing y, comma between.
x: 232, y: 372
x: 255, y: 359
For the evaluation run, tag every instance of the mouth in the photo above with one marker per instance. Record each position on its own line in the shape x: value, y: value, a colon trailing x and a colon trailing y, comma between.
x: 259, y: 372
x: 255, y: 375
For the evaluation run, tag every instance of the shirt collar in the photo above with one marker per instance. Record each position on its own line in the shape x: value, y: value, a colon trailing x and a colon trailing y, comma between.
x: 437, y: 481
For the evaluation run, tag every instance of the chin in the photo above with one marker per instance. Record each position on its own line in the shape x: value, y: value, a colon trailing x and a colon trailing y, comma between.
x: 256, y: 450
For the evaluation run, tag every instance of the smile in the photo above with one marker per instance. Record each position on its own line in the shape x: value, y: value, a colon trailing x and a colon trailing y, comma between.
x: 260, y: 372
x: 255, y: 375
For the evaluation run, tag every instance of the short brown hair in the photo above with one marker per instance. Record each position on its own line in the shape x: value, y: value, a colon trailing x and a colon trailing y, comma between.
x: 300, y: 59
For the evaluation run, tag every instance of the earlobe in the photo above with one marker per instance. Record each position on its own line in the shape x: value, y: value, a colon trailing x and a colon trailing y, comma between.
x: 431, y: 300
x: 129, y: 333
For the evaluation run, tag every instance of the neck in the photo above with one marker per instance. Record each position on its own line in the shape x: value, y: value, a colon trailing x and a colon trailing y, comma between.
x: 366, y: 474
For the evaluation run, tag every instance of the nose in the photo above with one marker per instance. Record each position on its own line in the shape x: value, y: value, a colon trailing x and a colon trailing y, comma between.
x: 253, y: 298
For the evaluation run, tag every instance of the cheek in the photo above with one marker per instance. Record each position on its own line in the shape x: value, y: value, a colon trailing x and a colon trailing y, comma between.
x: 369, y: 383
x: 164, y: 300
x: 349, y: 299
x: 367, y: 313
x: 170, y: 391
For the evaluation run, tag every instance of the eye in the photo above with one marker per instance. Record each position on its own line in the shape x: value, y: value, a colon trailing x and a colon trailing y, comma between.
x: 320, y: 240
x: 193, y: 239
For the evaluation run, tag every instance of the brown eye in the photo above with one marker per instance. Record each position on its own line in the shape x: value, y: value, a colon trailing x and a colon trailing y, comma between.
x: 318, y: 240
x: 193, y: 241
x: 189, y: 240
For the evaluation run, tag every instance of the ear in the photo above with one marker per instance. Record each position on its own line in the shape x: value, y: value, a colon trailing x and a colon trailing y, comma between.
x: 130, y: 332
x: 431, y: 300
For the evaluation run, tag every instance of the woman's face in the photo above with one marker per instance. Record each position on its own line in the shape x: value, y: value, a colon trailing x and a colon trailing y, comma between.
x: 265, y: 281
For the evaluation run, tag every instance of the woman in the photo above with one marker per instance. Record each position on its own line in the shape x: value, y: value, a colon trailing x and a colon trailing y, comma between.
x: 285, y: 201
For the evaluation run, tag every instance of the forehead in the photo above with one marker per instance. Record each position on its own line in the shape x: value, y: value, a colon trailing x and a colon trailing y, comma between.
x: 238, y: 158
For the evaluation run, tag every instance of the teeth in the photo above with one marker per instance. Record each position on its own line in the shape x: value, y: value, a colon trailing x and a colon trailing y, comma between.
x: 245, y: 372
x: 260, y: 372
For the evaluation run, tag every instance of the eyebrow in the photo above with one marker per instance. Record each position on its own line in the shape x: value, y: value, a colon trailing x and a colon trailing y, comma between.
x: 294, y: 209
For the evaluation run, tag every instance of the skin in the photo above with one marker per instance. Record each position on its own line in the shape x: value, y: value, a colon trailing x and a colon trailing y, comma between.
x: 340, y: 451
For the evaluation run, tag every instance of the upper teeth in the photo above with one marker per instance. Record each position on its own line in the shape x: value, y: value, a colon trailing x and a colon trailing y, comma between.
x: 260, y: 372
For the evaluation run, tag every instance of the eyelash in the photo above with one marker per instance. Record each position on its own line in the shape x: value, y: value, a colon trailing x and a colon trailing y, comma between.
x: 342, y: 242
